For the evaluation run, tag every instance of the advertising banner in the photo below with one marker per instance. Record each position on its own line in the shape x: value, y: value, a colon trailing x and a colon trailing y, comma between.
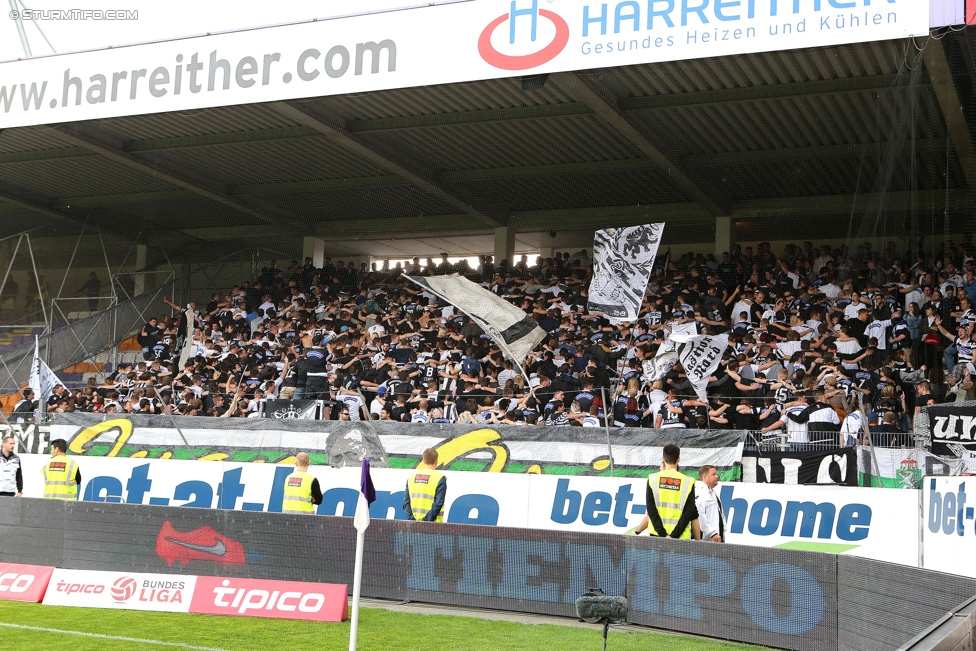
x: 499, y: 448
x: 837, y: 466
x: 422, y: 46
x: 260, y: 487
x: 866, y: 522
x: 871, y: 523
x: 23, y: 582
x: 949, y: 524
x: 904, y: 468
x: 319, y: 602
x: 120, y: 590
x: 953, y: 430
x: 780, y: 598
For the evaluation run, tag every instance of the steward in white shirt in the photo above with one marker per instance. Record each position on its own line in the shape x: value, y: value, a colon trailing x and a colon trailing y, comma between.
x: 711, y: 520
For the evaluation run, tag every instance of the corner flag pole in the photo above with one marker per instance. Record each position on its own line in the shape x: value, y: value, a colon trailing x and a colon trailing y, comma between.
x: 367, y: 495
x: 356, y: 589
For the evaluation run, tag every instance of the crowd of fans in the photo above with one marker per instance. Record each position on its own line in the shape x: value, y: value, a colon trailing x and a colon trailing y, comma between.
x: 818, y: 336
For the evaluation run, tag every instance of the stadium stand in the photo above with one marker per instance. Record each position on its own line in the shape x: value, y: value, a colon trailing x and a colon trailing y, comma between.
x: 816, y: 332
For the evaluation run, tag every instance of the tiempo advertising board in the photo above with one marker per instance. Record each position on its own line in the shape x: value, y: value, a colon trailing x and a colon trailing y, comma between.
x: 949, y: 524
x: 442, y: 44
x: 120, y: 590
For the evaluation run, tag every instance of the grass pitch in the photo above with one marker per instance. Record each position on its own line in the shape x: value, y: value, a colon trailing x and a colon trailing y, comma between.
x: 83, y: 629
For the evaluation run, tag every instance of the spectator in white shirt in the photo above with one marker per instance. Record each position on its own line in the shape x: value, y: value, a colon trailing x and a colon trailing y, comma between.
x: 710, y: 516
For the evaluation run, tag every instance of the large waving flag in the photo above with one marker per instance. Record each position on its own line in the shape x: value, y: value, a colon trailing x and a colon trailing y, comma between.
x: 622, y: 262
x: 700, y: 356
x: 514, y: 331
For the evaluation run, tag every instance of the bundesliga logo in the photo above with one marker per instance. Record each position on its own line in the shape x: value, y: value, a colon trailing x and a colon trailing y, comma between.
x: 123, y: 588
x: 525, y: 61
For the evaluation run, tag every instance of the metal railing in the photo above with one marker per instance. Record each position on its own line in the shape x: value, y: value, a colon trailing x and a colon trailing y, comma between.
x: 83, y: 339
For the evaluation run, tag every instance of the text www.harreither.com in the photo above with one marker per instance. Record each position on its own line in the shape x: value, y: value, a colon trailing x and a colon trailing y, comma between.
x: 195, y: 74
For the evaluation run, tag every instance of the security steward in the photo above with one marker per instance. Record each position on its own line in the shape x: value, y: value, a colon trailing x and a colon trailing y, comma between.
x: 426, y: 491
x: 316, y: 371
x: 61, y: 475
x: 302, y: 491
x: 11, y: 472
x: 671, y: 509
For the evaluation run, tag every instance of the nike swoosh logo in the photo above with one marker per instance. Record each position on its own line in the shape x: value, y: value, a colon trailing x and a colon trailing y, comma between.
x: 217, y: 549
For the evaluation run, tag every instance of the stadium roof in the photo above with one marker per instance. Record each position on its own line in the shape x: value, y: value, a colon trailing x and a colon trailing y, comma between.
x: 799, y: 144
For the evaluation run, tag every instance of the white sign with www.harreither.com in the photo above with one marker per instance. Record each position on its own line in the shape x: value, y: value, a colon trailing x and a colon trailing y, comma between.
x: 442, y: 44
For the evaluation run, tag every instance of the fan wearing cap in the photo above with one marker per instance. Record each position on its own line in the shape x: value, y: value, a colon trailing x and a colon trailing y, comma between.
x: 379, y: 402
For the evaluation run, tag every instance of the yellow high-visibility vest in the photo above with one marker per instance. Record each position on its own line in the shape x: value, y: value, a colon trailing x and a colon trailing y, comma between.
x: 422, y: 487
x: 60, y: 478
x: 670, y: 489
x: 298, y: 493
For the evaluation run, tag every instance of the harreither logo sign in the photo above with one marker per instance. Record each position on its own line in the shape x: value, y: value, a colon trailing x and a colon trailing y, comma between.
x: 509, y: 55
x: 458, y: 42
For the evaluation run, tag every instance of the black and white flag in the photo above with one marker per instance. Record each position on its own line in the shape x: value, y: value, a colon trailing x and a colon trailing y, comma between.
x: 42, y: 379
x: 655, y: 368
x: 700, y: 356
x: 515, y: 332
x: 292, y: 409
x: 622, y: 262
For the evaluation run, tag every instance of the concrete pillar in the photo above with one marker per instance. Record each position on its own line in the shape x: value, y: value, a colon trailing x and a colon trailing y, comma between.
x: 505, y: 245
x: 723, y: 236
x: 546, y: 252
x: 313, y: 247
x: 139, y: 279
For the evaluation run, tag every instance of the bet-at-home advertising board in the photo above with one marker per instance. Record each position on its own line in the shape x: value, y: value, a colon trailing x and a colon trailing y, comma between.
x: 874, y: 523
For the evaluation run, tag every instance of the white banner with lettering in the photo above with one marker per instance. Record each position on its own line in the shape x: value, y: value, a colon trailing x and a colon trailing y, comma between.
x: 700, y: 357
x: 441, y: 44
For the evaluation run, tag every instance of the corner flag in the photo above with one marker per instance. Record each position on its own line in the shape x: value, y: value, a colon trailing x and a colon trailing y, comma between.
x: 367, y: 495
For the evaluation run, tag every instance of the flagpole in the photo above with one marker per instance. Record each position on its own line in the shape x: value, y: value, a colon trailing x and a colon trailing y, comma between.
x: 367, y: 495
x: 606, y: 423
x: 357, y: 587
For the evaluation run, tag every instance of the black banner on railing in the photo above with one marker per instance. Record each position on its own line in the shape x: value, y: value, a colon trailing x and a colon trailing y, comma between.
x: 837, y: 466
x: 953, y: 429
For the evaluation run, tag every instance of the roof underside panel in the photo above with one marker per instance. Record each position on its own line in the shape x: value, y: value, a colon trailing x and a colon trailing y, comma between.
x: 454, y: 98
x: 632, y: 188
x: 268, y: 161
x: 224, y: 119
x: 80, y: 177
x: 512, y: 143
x: 352, y: 204
x: 739, y: 135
